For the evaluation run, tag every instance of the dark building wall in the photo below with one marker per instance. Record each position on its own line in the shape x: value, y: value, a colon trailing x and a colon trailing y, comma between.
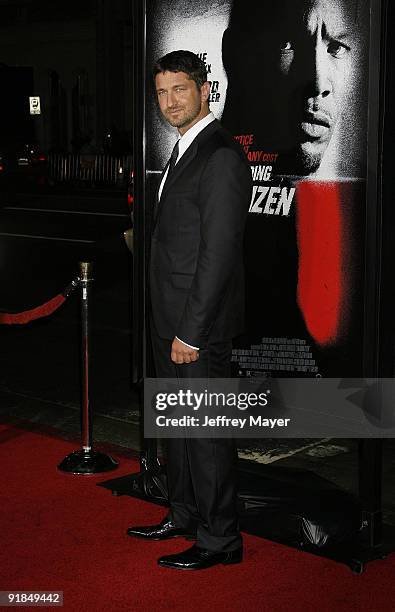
x: 80, y: 53
x: 114, y: 66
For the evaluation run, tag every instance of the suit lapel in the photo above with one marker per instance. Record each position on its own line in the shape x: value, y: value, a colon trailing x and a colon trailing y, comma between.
x: 185, y: 160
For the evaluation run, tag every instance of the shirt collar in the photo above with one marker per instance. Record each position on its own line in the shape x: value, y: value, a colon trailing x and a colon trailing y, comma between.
x: 187, y: 139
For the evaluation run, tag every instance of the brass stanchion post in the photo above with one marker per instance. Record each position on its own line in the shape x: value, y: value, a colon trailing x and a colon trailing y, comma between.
x: 86, y: 460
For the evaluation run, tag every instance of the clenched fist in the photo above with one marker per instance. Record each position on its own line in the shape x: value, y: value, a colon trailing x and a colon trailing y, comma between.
x: 181, y: 353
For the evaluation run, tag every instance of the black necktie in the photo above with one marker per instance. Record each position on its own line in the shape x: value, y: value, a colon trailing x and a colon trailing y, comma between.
x: 172, y: 162
x: 170, y: 166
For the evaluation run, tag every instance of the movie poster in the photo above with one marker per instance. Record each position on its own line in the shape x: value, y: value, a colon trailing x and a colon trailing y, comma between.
x: 289, y: 79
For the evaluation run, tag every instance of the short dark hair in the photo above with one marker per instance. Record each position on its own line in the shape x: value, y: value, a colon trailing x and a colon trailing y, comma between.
x: 182, y: 61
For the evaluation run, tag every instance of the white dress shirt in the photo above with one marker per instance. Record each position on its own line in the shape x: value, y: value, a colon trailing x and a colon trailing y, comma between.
x: 184, y: 142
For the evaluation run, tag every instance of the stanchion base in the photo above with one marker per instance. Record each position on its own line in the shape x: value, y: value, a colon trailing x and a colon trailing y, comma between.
x: 87, y: 462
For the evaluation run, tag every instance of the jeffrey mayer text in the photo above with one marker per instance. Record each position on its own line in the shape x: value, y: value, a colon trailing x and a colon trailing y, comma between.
x: 220, y: 421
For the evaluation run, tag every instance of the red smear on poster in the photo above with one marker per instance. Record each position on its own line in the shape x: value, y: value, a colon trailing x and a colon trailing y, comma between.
x: 320, y: 244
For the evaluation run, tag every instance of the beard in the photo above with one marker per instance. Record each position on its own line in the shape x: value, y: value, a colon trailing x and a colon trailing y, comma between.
x: 184, y: 118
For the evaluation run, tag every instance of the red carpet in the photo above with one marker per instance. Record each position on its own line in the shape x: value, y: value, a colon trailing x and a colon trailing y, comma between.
x: 62, y: 532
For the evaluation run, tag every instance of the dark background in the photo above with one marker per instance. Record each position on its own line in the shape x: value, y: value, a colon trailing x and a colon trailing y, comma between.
x: 77, y: 56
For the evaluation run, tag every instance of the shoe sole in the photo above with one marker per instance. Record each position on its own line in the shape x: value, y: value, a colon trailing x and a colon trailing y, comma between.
x: 195, y: 569
x: 141, y: 537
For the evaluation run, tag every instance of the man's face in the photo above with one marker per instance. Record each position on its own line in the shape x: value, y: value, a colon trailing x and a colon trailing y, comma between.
x: 314, y: 62
x: 180, y: 100
x: 307, y: 60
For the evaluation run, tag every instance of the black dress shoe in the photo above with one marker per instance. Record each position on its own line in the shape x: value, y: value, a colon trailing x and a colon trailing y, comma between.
x: 164, y: 531
x: 196, y: 558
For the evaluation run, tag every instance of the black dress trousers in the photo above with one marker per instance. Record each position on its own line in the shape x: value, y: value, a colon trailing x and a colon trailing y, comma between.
x: 201, y: 473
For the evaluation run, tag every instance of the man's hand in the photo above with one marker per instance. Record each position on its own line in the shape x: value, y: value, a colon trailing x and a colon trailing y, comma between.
x: 181, y: 353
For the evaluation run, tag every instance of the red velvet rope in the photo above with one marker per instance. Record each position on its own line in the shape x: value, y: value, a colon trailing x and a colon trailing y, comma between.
x: 35, y: 313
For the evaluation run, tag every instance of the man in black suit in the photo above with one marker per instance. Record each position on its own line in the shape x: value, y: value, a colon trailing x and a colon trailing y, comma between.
x: 197, y: 301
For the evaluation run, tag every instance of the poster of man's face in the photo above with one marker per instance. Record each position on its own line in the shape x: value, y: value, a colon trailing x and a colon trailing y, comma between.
x: 297, y: 76
x: 293, y: 72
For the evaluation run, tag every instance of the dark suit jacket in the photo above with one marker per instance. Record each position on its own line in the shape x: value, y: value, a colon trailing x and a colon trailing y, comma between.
x: 196, y: 264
